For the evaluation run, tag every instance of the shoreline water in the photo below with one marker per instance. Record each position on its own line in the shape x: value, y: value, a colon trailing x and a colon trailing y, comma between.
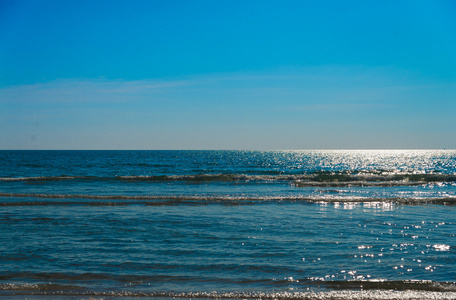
x: 331, y: 295
x: 227, y: 225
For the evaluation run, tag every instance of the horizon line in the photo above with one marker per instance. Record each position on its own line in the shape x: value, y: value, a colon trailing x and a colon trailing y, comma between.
x: 342, y: 149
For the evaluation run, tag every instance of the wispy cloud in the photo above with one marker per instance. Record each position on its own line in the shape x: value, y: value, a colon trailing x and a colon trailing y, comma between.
x: 85, y: 90
x: 313, y: 84
x: 303, y: 107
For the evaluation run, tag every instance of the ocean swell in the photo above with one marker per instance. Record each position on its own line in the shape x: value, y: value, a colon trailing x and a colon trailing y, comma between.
x: 335, y: 179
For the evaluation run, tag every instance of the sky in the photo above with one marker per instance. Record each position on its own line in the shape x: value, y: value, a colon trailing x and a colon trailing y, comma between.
x: 254, y: 75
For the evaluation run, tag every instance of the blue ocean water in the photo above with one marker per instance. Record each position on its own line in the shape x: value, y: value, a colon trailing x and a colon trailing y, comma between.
x: 228, y: 224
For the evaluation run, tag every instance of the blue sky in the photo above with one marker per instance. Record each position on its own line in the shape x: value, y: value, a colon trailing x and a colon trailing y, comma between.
x: 227, y: 74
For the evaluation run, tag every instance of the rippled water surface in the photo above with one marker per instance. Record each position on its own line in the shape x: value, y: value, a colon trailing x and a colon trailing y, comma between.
x: 233, y: 224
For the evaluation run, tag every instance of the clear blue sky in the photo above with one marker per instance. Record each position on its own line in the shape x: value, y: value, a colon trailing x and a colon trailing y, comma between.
x: 227, y: 74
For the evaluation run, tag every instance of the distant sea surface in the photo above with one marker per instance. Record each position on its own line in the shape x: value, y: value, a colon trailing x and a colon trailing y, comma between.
x: 228, y: 224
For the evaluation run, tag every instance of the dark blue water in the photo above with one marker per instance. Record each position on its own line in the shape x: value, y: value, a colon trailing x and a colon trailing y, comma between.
x: 229, y: 224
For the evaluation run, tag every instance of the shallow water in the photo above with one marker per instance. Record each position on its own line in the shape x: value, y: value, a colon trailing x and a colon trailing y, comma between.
x: 231, y: 224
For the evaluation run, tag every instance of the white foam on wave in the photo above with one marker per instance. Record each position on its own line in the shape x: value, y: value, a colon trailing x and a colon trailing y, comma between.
x: 309, y: 295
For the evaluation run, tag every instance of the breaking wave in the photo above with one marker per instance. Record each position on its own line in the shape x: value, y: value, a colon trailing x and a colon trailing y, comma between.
x: 110, y: 200
x: 341, y: 290
x: 326, y: 179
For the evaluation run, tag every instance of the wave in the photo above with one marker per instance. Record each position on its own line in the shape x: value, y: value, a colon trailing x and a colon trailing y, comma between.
x: 399, y: 285
x: 104, y: 200
x: 343, y: 290
x: 49, y: 178
x: 325, y: 179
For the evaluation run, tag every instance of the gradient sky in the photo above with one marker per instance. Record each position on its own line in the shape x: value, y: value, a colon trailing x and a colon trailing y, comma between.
x: 227, y: 74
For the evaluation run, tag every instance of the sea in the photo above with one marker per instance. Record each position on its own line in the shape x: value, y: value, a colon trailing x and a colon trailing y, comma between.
x: 228, y: 224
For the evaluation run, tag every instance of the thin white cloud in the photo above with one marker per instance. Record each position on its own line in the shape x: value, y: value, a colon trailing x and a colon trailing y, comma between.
x: 312, y: 84
x: 84, y: 90
x: 291, y: 109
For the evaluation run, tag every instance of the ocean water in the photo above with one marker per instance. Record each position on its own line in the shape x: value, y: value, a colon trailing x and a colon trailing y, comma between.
x: 228, y: 224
